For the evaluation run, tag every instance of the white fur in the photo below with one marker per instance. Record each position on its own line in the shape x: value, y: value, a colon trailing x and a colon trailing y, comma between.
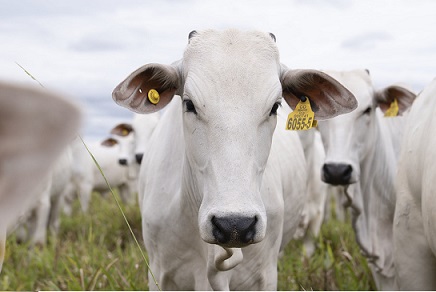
x: 415, y: 213
x: 36, y: 126
x: 369, y: 143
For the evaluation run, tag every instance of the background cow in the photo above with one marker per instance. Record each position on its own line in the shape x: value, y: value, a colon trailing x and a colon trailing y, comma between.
x: 143, y: 126
x: 36, y: 125
x: 361, y: 154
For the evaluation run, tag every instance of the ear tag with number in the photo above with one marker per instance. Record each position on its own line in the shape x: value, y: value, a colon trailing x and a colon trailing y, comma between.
x: 392, y: 111
x: 302, y: 118
x: 153, y: 96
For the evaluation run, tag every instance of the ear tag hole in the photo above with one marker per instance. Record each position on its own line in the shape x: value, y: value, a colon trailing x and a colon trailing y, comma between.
x: 302, y: 118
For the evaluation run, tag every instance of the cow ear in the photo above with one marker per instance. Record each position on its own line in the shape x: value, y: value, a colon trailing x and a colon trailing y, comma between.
x: 122, y: 130
x: 109, y: 142
x: 328, y: 98
x: 386, y: 96
x: 148, y: 89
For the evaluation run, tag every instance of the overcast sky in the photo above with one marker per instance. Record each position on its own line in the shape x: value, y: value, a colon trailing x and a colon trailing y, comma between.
x: 85, y: 48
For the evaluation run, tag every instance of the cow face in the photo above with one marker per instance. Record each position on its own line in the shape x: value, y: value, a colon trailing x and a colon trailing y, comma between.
x: 349, y: 138
x: 231, y: 84
x: 125, y: 137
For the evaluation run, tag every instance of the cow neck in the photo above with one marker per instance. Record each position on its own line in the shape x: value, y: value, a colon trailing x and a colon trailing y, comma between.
x: 378, y: 197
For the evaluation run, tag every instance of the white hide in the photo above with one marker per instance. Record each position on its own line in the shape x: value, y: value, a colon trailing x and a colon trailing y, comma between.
x: 144, y: 126
x: 313, y: 213
x: 126, y: 136
x: 217, y: 178
x: 366, y: 142
x: 45, y: 214
x: 87, y: 176
x: 415, y: 213
x: 35, y: 126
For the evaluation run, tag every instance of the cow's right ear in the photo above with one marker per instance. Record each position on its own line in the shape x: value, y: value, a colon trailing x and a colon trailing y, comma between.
x: 149, y: 88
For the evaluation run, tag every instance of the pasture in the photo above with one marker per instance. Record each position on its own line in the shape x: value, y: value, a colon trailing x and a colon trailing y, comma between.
x: 96, y: 251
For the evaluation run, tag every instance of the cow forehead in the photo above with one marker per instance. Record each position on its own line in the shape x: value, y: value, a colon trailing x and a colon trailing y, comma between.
x: 232, y: 63
x: 231, y: 49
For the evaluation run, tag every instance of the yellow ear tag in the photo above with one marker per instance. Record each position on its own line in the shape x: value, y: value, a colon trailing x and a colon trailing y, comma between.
x: 392, y: 111
x: 153, y: 96
x: 124, y: 132
x: 302, y: 118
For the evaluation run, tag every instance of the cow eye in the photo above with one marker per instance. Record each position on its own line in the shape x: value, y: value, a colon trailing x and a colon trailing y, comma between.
x: 275, y: 108
x: 189, y: 106
x: 367, y: 111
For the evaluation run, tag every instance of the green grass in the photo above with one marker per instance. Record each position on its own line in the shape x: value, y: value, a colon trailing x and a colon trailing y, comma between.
x: 95, y: 251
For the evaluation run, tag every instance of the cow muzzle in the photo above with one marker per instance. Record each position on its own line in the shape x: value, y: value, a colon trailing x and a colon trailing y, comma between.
x: 139, y: 157
x: 337, y: 173
x: 234, y: 231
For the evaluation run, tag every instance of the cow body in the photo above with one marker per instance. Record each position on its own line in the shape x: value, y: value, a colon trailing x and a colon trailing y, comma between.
x: 415, y: 221
x: 86, y: 176
x: 45, y: 214
x: 313, y: 213
x: 361, y: 154
x: 36, y: 126
x: 220, y: 192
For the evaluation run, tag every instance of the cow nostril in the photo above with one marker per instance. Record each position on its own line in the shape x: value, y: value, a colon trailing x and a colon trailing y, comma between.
x: 337, y: 173
x: 122, y: 161
x: 234, y: 230
x: 139, y: 158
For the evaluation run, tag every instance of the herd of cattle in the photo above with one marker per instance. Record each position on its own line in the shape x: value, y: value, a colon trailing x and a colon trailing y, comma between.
x: 219, y: 177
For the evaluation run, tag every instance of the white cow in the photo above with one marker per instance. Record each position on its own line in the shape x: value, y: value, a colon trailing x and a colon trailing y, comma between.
x: 313, y: 213
x: 35, y: 126
x: 87, y: 176
x: 415, y: 221
x: 126, y: 138
x: 144, y: 126
x: 361, y: 153
x: 220, y: 194
x: 45, y: 214
x: 127, y: 145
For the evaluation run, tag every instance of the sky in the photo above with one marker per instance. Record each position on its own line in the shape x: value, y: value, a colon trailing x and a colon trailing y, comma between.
x: 84, y: 49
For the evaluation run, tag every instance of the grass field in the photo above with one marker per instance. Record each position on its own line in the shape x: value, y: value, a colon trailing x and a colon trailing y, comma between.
x: 96, y: 252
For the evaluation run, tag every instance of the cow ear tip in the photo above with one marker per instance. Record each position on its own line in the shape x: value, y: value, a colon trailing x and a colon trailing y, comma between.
x: 192, y: 34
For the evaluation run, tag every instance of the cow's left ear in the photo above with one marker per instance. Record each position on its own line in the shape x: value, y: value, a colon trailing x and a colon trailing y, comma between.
x: 122, y: 130
x: 386, y: 96
x: 328, y: 98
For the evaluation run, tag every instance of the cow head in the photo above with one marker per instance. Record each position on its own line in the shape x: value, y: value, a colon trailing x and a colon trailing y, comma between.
x: 125, y: 137
x: 231, y: 84
x: 348, y: 138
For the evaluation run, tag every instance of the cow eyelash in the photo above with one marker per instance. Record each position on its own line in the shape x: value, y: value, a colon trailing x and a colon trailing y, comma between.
x: 189, y: 106
x: 367, y: 111
x: 275, y: 108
